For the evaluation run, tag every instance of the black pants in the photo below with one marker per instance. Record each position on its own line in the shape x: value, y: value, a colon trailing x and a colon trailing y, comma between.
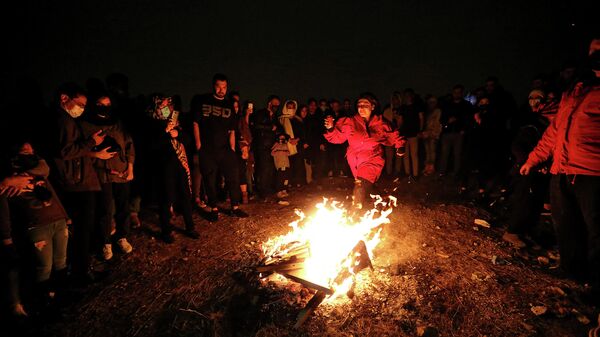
x: 576, y: 213
x: 527, y: 201
x: 81, y: 207
x: 119, y: 192
x: 174, y: 189
x: 297, y: 170
x: 265, y: 171
x: 282, y: 178
x: 226, y: 163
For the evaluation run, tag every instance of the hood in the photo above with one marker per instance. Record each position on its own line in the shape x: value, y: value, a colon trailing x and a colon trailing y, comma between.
x: 289, y: 113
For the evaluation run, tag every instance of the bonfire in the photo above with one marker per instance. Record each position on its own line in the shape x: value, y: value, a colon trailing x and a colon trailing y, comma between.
x: 326, y: 250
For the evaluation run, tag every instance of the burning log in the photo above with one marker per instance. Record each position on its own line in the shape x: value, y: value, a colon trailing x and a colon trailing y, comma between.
x: 310, y: 308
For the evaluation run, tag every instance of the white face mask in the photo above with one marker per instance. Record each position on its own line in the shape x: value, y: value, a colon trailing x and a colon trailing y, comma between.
x: 75, y: 111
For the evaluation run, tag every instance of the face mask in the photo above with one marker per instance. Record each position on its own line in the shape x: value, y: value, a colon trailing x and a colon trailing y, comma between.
x: 25, y: 162
x: 103, y: 111
x: 75, y: 111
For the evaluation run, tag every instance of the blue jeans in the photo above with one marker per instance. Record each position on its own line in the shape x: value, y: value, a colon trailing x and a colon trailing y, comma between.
x: 50, y: 248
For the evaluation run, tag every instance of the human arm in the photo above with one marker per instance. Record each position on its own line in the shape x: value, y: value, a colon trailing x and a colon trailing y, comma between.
x: 543, y: 149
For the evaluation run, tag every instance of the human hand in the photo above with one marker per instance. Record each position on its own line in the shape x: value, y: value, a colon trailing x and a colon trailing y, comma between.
x: 294, y: 141
x: 525, y: 169
x: 128, y: 174
x: 15, y: 185
x: 322, y: 147
x: 245, y: 153
x: 305, y: 146
x: 104, y: 154
x: 274, y: 128
x: 174, y: 133
x: 328, y: 122
x: 477, y: 117
x: 98, y: 137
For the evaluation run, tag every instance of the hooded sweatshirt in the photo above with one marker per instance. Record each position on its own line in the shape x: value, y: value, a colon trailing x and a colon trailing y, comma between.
x: 286, y: 122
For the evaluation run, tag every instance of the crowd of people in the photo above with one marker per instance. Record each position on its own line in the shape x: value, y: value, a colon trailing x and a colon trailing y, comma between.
x: 74, y: 180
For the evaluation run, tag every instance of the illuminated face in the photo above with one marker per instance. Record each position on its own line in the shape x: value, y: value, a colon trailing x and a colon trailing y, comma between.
x: 484, y: 102
x: 365, y: 108
x: 323, y: 105
x: 103, y: 101
x: 220, y: 88
x: 535, y: 99
x: 236, y: 106
x: 304, y: 112
x: 290, y: 106
x: 26, y: 149
x: 274, y: 105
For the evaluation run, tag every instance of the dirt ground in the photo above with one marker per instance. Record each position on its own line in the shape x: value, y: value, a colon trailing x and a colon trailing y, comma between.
x: 435, y: 274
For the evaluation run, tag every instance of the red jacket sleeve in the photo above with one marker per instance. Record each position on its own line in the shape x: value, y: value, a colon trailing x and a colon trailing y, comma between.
x: 339, y: 133
x: 543, y: 149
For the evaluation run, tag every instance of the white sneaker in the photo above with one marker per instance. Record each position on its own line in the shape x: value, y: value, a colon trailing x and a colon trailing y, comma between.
x: 125, y: 246
x: 281, y: 195
x: 107, y: 251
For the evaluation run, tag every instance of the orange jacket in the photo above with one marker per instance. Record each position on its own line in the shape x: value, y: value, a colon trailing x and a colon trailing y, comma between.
x: 573, y: 137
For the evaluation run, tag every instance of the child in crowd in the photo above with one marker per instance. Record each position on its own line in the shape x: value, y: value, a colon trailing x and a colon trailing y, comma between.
x: 281, y: 153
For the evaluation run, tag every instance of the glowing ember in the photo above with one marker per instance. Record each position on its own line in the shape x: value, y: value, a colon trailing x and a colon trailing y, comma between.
x: 329, y: 240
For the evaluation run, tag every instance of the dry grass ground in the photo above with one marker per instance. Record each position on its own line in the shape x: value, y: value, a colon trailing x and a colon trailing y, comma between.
x: 435, y: 274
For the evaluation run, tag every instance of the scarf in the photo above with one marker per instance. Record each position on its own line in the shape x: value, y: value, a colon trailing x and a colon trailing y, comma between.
x: 286, y: 121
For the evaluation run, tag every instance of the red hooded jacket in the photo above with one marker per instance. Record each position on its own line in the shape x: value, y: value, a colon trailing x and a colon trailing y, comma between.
x: 573, y: 137
x: 365, y: 152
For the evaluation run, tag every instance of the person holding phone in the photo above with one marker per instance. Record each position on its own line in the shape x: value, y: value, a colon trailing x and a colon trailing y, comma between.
x: 77, y: 179
x: 366, y: 133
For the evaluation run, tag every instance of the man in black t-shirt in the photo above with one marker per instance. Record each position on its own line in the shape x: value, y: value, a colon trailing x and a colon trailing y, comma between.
x: 214, y: 135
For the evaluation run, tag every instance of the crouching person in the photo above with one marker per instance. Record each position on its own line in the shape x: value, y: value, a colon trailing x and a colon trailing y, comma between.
x: 39, y: 215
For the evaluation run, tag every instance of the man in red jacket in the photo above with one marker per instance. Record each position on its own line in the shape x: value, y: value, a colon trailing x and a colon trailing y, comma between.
x: 573, y: 143
x: 366, y: 133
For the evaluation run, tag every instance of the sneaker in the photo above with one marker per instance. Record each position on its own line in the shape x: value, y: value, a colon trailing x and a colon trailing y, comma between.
x: 135, y: 220
x: 124, y: 246
x: 200, y: 203
x: 107, y: 251
x: 167, y: 237
x: 281, y: 194
x: 239, y: 213
x: 191, y: 233
x: 514, y: 240
x: 283, y: 202
x: 213, y: 215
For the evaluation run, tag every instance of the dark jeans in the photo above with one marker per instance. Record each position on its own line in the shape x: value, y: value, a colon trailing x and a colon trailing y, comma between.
x: 175, y: 189
x: 451, y: 142
x: 226, y: 163
x: 119, y: 192
x: 265, y: 172
x: 576, y: 213
x: 81, y: 207
x: 282, y: 179
x: 527, y: 201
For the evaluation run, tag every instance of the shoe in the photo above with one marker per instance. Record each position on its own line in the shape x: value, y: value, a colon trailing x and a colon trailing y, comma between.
x: 213, y: 215
x: 167, y: 237
x: 244, y: 198
x: 107, y: 252
x: 135, y: 220
x: 285, y: 194
x: 124, y: 246
x: 191, y: 233
x: 514, y: 240
x: 239, y: 213
x: 200, y: 203
x: 18, y: 310
x: 283, y: 202
x: 281, y: 195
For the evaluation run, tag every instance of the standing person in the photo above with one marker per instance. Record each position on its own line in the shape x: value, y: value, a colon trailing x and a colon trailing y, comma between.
x: 115, y: 173
x: 365, y: 133
x: 281, y: 153
x: 245, y: 148
x: 38, y: 214
x: 390, y: 113
x: 299, y: 173
x: 265, y: 126
x: 174, y: 176
x: 77, y: 180
x: 214, y: 134
x: 288, y: 115
x: 431, y: 133
x: 337, y: 151
x: 314, y: 138
x: 454, y: 120
x: 573, y: 143
x: 410, y: 124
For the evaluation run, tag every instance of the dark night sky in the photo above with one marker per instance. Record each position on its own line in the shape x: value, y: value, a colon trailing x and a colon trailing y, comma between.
x: 297, y: 49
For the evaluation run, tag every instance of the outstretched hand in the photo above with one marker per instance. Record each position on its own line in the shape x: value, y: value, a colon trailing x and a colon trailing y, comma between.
x: 525, y: 169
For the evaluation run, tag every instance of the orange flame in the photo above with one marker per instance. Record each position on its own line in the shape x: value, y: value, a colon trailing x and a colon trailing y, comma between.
x: 330, y: 235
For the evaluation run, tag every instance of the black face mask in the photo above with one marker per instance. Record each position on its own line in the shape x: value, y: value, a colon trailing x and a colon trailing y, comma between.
x: 25, y: 162
x: 103, y: 111
x: 594, y: 60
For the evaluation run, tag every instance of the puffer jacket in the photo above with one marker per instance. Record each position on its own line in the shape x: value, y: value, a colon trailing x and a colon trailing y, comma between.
x: 365, y: 152
x: 573, y: 137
